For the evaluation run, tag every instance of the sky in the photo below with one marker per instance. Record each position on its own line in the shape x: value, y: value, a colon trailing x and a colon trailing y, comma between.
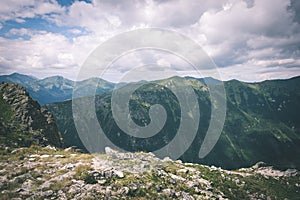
x: 248, y: 40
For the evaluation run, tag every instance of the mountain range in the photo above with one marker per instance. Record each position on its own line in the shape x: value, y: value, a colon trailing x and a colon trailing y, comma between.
x: 262, y: 122
x: 262, y: 119
x: 56, y: 88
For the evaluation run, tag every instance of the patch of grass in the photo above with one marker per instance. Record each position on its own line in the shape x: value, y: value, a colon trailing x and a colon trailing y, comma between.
x: 82, y: 173
x: 60, y: 185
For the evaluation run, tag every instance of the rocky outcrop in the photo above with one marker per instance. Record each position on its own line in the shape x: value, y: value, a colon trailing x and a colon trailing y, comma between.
x: 26, y: 121
x: 50, y: 173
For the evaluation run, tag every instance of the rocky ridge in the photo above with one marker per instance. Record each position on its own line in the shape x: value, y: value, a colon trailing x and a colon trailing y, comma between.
x: 49, y: 173
x: 25, y: 122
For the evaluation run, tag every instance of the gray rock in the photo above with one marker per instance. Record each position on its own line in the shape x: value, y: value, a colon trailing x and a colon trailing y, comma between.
x: 169, y: 192
x: 47, y: 193
x: 186, y: 196
x: 158, y: 188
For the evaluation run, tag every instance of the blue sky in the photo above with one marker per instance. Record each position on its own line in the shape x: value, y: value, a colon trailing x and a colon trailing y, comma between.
x: 249, y: 40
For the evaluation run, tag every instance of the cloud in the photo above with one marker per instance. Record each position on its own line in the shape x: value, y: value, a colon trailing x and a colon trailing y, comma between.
x: 43, y: 53
x: 262, y: 36
x: 19, y: 10
x: 241, y: 32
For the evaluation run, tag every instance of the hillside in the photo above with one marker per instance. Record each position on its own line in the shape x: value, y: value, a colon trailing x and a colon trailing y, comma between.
x: 48, y: 173
x: 262, y: 122
x: 56, y: 88
x: 23, y: 122
x: 32, y: 168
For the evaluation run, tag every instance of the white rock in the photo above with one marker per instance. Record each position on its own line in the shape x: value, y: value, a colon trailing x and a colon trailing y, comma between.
x: 45, y: 156
x: 119, y: 174
x: 59, y: 156
x: 34, y: 156
x: 167, y: 159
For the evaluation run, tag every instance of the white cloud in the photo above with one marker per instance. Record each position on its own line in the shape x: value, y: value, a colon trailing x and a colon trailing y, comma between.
x: 41, y: 54
x: 256, y: 37
x: 18, y: 10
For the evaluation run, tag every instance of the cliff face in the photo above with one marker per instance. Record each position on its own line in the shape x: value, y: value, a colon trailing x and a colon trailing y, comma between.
x: 23, y: 122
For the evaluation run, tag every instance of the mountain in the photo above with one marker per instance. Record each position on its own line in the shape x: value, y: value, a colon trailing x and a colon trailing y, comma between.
x: 49, y: 173
x: 262, y: 122
x: 56, y: 88
x: 18, y: 78
x: 23, y: 121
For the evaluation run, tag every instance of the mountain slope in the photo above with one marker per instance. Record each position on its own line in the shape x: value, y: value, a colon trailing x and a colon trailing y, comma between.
x: 262, y: 122
x: 56, y: 88
x: 23, y: 122
x: 116, y: 175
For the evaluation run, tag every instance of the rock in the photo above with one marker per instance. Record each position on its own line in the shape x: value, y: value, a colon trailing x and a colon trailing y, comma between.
x: 23, y: 192
x: 176, y: 178
x: 96, y: 175
x: 108, y: 190
x: 34, y: 156
x: 108, y: 173
x: 70, y: 149
x: 124, y: 191
x: 186, y: 196
x: 119, y: 174
x: 259, y: 165
x: 45, y: 185
x: 59, y: 156
x: 183, y: 171
x: 178, y: 161
x: 22, y: 178
x: 16, y: 150
x: 191, y: 184
x: 133, y: 187
x: 203, y: 182
x: 291, y: 172
x: 47, y: 193
x: 167, y: 159
x: 79, y: 150
x: 110, y: 151
x: 45, y: 156
x: 28, y: 185
x: 50, y: 147
x: 169, y: 192
x: 158, y: 188
x: 101, y: 181
x: 69, y: 166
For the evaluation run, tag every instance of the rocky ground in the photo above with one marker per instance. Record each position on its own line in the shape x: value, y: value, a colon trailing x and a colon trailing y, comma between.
x: 48, y: 173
